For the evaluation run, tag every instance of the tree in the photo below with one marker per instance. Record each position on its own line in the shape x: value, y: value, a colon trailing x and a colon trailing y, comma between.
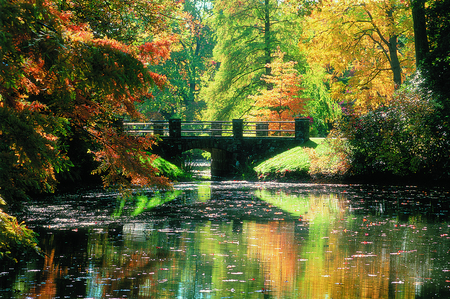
x: 188, y: 63
x: 283, y: 100
x: 368, y: 41
x: 247, y: 33
x: 58, y: 80
x: 323, y: 110
x: 420, y: 31
x: 436, y: 63
x: 125, y: 21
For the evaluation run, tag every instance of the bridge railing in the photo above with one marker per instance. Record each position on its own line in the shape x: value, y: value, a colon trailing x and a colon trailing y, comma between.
x: 237, y: 128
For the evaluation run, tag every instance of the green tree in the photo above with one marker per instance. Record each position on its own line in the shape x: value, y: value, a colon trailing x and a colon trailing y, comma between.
x: 247, y: 33
x: 321, y: 107
x: 187, y: 64
x: 437, y: 61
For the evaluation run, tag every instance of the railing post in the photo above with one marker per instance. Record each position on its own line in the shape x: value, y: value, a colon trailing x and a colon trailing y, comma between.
x: 262, y: 129
x: 118, y: 123
x: 302, y: 129
x: 238, y: 128
x: 175, y: 128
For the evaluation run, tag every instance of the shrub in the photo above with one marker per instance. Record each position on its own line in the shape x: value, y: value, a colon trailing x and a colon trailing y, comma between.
x: 405, y: 138
x: 15, y: 238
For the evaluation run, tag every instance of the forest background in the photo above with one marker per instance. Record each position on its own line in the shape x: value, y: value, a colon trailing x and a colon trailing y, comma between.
x: 370, y: 75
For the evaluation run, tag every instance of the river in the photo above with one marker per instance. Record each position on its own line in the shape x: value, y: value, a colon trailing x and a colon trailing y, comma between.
x: 238, y: 239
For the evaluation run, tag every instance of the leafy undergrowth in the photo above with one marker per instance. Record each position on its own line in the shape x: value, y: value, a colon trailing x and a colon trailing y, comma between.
x: 15, y: 238
x: 319, y: 158
x: 170, y: 170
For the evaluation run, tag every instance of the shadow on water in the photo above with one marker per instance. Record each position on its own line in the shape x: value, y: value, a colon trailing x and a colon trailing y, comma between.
x: 239, y: 240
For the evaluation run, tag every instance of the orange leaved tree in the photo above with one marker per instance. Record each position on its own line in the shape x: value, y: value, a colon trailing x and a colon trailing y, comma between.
x: 60, y: 79
x: 281, y: 100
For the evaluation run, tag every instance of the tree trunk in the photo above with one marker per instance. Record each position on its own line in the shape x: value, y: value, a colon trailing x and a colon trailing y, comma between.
x: 267, y: 40
x: 395, y: 62
x: 393, y: 53
x: 420, y: 31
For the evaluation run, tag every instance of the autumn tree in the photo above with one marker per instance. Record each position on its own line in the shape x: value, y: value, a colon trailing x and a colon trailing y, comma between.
x: 283, y: 100
x: 368, y: 42
x: 60, y: 79
x: 247, y: 33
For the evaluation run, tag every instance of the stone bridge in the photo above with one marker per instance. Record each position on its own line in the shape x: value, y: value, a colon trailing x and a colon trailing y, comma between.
x: 231, y: 144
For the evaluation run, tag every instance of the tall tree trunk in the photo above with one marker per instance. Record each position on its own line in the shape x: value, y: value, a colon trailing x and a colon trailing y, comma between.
x: 267, y: 40
x: 395, y: 62
x: 420, y: 31
x: 393, y: 53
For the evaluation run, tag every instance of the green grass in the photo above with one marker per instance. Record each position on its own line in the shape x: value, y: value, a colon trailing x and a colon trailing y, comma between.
x: 295, y: 162
x: 170, y: 170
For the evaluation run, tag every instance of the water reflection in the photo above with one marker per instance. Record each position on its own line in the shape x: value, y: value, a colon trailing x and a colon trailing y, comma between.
x: 242, y: 240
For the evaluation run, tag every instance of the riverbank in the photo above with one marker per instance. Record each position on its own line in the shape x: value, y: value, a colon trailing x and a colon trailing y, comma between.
x: 322, y: 160
x: 316, y: 159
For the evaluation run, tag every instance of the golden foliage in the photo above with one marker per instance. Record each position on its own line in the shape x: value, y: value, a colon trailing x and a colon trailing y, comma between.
x: 366, y: 45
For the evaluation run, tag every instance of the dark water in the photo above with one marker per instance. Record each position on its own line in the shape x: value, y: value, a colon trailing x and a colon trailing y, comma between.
x: 240, y: 240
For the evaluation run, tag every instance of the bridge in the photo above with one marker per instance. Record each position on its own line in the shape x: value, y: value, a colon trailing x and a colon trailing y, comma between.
x: 232, y: 144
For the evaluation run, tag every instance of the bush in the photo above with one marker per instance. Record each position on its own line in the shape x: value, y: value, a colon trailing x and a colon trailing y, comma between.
x: 405, y: 138
x: 15, y: 238
x: 170, y: 170
x: 328, y: 160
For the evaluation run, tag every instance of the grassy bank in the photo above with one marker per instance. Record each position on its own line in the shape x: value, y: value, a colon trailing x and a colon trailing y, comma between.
x: 315, y: 159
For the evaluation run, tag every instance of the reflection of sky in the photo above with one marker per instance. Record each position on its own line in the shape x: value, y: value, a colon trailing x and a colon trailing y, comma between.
x: 319, y: 241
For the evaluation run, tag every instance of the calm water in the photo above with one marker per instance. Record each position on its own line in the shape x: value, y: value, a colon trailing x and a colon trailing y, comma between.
x: 240, y: 240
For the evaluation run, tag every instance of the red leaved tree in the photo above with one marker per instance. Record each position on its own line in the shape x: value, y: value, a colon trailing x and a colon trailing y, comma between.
x: 59, y: 79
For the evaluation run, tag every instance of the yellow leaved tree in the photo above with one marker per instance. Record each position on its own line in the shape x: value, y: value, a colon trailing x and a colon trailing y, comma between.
x: 366, y: 45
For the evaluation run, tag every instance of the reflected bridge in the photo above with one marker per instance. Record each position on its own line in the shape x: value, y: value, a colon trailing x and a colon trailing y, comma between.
x: 232, y: 144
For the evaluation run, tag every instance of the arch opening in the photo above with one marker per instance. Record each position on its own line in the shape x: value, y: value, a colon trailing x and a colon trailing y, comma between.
x: 198, y: 163
x: 208, y: 163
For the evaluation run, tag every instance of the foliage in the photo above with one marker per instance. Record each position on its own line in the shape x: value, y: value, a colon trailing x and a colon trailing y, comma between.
x: 60, y: 79
x: 186, y: 66
x: 124, y: 21
x: 400, y: 139
x: 282, y: 100
x: 169, y: 170
x: 15, y: 238
x: 328, y: 160
x: 366, y: 45
x: 247, y: 34
x: 436, y: 68
x: 323, y: 110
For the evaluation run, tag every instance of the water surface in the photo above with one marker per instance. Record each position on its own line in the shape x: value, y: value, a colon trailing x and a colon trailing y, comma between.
x: 240, y: 240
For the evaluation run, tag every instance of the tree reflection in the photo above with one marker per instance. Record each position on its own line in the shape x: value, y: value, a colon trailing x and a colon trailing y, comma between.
x: 295, y: 244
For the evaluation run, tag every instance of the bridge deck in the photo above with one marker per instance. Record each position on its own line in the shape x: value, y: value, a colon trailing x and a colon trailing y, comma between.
x: 206, y: 129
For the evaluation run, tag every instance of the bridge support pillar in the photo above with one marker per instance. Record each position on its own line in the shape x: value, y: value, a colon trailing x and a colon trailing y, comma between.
x: 221, y: 163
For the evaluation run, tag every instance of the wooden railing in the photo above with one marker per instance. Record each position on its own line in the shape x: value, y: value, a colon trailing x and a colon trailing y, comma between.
x: 237, y: 128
